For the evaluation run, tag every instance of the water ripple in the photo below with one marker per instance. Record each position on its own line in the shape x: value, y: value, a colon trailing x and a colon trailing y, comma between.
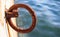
x: 48, y: 17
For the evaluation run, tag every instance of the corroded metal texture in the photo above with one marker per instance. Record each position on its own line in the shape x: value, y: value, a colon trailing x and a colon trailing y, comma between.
x: 15, y: 14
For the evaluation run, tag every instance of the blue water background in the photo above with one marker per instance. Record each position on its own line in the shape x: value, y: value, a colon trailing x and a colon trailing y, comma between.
x: 48, y: 17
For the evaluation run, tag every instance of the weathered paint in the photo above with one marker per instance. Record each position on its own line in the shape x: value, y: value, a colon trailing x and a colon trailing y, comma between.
x: 5, y: 29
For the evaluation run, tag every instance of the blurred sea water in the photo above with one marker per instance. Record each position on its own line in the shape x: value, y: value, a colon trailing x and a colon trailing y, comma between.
x: 48, y: 18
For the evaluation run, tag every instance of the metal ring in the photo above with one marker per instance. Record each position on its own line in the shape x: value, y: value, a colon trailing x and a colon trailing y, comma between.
x: 16, y: 6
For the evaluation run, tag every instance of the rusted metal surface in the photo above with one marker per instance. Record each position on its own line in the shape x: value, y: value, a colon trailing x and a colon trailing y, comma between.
x: 11, y: 32
x: 15, y: 14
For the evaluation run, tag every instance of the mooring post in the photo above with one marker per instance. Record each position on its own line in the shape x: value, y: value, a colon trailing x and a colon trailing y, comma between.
x: 5, y: 29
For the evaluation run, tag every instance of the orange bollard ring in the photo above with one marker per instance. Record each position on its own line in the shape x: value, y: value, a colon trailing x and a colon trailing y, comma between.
x: 16, y: 6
